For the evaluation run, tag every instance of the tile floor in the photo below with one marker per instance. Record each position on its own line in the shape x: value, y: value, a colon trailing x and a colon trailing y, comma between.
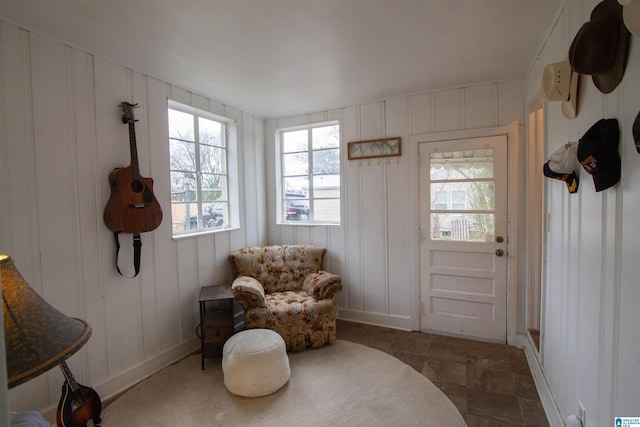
x: 490, y: 384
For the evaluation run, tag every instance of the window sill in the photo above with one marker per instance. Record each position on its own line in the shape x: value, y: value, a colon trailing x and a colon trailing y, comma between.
x: 202, y: 233
x: 308, y: 224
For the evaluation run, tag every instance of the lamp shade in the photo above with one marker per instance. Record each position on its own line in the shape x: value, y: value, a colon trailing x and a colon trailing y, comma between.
x: 37, y: 336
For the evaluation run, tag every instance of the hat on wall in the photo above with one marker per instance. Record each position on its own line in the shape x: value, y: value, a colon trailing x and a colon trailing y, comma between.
x: 601, y: 46
x: 562, y: 164
x: 560, y: 83
x: 598, y: 153
x: 631, y: 15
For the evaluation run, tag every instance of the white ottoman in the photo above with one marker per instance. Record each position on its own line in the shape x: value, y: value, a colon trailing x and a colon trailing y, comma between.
x: 255, y: 363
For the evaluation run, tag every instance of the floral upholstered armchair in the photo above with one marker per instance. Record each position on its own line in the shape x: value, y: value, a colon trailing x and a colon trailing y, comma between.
x: 283, y: 288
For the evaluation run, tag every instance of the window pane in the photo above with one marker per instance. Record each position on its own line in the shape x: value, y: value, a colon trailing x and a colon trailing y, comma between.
x: 326, y: 161
x: 296, y: 164
x: 471, y: 164
x: 182, y: 155
x: 213, y: 187
x: 181, y: 125
x: 326, y: 137
x: 215, y: 215
x: 213, y: 159
x: 326, y: 186
x: 184, y: 216
x: 467, y: 227
x: 470, y: 195
x: 295, y: 141
x: 440, y: 199
x: 458, y: 199
x: 296, y: 187
x: 183, y: 187
x: 210, y: 132
x: 326, y: 210
x: 296, y: 209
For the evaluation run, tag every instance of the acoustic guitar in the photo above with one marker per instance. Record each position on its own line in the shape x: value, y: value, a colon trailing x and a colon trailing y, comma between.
x: 132, y: 207
x: 79, y: 405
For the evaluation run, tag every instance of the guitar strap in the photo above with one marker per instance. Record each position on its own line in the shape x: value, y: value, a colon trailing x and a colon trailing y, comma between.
x: 137, y: 246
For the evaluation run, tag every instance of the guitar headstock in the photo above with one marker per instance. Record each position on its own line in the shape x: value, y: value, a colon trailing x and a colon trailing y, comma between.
x: 127, y: 112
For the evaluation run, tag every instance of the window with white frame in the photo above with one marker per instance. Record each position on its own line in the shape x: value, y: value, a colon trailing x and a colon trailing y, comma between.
x: 200, y: 168
x: 309, y: 174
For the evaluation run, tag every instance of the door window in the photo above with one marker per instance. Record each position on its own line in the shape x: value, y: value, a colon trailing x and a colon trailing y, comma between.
x: 462, y: 195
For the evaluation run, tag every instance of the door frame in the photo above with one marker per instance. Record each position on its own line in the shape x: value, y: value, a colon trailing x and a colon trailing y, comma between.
x: 515, y: 195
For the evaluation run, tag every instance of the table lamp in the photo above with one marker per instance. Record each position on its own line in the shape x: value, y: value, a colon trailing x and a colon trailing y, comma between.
x: 37, y: 336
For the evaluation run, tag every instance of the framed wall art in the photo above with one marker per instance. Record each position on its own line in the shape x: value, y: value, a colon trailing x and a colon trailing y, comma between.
x: 384, y: 147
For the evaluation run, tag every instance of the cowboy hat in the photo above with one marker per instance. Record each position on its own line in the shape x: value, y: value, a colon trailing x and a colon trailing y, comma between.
x: 601, y: 46
x: 631, y: 15
x: 560, y: 83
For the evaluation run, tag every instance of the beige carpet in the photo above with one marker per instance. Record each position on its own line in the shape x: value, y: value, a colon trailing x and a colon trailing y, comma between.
x: 342, y: 384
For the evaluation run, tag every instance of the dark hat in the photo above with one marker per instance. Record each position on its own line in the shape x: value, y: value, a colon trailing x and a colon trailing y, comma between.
x: 598, y: 153
x: 601, y: 46
x: 562, y: 164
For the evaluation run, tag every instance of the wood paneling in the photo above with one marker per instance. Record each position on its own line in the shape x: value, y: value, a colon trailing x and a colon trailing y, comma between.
x: 372, y: 249
x: 60, y: 135
x: 589, y: 336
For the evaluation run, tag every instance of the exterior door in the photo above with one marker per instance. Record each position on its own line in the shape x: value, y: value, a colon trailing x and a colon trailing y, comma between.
x: 463, y: 242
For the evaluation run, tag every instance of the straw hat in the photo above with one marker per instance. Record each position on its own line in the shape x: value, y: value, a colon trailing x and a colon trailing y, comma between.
x: 560, y: 83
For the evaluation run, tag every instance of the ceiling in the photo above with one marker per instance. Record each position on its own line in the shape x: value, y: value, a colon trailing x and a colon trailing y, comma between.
x: 284, y: 57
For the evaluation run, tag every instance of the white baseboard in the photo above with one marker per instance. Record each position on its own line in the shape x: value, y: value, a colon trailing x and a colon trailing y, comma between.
x: 546, y: 397
x: 377, y: 319
x: 127, y: 379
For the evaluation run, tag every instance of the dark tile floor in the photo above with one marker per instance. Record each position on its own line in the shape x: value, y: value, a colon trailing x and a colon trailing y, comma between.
x: 490, y: 384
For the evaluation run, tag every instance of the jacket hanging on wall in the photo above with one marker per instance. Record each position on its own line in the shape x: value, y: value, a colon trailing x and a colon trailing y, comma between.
x: 132, y: 206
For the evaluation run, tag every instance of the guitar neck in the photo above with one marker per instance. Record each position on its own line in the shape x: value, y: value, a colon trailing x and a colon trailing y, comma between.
x: 69, y: 376
x: 135, y: 169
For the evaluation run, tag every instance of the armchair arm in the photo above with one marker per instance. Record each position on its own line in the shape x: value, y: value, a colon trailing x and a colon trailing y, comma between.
x: 248, y: 292
x: 322, y: 285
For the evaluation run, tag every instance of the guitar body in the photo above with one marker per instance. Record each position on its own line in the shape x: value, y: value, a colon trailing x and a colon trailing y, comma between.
x: 80, y: 408
x: 132, y: 207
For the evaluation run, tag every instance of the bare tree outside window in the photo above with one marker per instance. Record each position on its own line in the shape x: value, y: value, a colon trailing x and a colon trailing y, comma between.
x: 462, y: 195
x: 198, y: 168
x: 310, y: 174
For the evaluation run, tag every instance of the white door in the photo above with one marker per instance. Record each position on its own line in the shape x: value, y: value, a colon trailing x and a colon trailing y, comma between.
x: 463, y: 242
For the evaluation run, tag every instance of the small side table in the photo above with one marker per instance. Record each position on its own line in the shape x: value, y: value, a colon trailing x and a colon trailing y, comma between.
x: 216, y: 321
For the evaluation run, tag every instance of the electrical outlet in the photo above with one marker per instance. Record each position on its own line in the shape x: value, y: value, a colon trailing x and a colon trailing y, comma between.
x: 582, y: 414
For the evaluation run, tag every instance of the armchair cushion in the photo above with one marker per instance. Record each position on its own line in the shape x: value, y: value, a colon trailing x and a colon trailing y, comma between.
x: 322, y: 285
x: 248, y: 291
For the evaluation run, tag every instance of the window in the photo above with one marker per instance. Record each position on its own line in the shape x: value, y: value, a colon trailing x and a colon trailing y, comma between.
x: 310, y: 174
x: 462, y: 194
x: 199, y: 157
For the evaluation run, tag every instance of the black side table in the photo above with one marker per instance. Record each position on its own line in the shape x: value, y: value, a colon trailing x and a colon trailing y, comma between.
x: 216, y: 321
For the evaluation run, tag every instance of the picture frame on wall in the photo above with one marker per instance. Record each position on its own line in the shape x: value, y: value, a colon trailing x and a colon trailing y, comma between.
x: 383, y: 147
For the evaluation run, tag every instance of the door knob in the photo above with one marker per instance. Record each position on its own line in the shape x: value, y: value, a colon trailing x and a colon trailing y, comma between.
x: 499, y: 239
x: 499, y: 252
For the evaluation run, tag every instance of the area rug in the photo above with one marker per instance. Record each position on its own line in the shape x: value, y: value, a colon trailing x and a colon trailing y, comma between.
x: 342, y: 384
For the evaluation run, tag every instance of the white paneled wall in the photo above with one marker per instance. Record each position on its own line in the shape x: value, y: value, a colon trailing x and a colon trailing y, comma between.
x: 590, y: 347
x: 60, y: 135
x: 372, y: 248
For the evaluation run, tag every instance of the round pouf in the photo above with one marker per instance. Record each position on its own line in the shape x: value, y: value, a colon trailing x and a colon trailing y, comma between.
x: 255, y: 363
